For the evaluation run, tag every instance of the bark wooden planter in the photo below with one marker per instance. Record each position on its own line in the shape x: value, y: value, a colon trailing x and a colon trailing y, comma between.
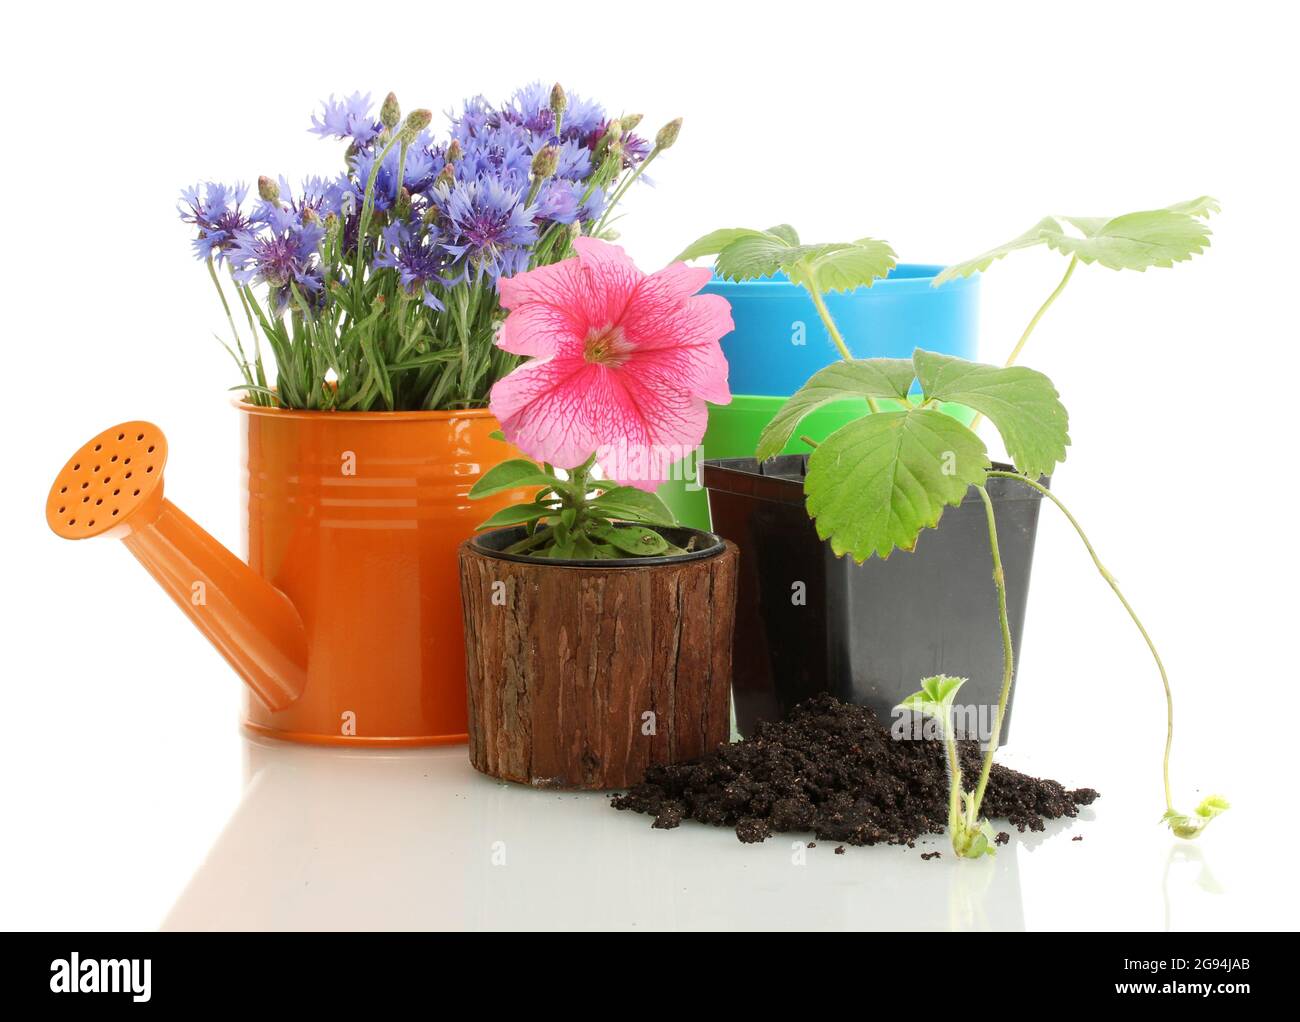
x: 581, y: 674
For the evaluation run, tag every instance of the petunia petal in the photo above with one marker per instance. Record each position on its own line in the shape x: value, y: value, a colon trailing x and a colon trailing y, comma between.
x: 677, y: 342
x: 677, y: 280
x: 612, y: 281
x: 545, y: 409
x: 540, y: 329
x: 643, y: 429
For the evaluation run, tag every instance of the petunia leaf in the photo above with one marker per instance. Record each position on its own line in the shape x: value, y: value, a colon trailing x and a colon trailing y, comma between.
x: 1133, y: 241
x: 875, y: 483
x: 516, y: 514
x: 1022, y: 403
x: 715, y: 241
x: 630, y: 504
x: 517, y: 473
x: 632, y: 539
x: 868, y: 377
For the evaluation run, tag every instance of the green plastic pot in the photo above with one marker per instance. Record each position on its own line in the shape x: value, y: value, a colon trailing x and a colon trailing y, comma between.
x: 733, y: 433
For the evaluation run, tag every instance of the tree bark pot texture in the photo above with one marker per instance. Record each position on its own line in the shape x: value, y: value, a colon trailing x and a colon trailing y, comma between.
x: 584, y: 676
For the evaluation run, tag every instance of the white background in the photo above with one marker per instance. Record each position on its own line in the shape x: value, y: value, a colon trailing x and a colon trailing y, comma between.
x: 943, y: 127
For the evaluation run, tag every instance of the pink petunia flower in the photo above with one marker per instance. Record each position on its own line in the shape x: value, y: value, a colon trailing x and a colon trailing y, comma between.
x: 622, y: 363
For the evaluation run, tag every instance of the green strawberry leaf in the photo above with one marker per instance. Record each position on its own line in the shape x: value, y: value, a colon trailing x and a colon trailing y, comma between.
x: 1133, y: 241
x: 517, y: 473
x: 935, y: 697
x: 1190, y: 825
x: 846, y: 268
x: 786, y: 233
x: 867, y: 377
x: 761, y: 255
x: 1203, y: 206
x: 875, y: 483
x: 1022, y: 403
x: 716, y: 241
x: 1033, y: 236
x: 630, y: 504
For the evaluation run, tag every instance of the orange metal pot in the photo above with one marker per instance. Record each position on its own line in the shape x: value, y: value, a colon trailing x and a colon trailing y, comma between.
x: 345, y: 622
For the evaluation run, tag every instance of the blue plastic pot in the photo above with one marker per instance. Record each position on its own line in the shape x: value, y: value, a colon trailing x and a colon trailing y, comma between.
x: 779, y: 340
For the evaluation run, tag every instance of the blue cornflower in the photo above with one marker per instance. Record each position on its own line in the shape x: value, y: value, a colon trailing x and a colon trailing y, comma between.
x: 421, y: 263
x: 500, y: 152
x: 215, y: 210
x: 423, y: 162
x: 581, y: 118
x: 487, y: 225
x: 475, y: 114
x: 560, y: 200
x: 285, y: 255
x: 322, y: 196
x: 350, y: 117
x: 530, y: 108
x: 574, y: 159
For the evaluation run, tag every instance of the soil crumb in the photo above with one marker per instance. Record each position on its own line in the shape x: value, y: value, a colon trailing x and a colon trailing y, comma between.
x: 931, y: 855
x: 833, y: 769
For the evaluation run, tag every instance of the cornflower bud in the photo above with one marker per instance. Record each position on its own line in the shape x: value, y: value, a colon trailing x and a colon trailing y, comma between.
x: 545, y: 162
x: 559, y: 101
x: 668, y: 134
x: 446, y: 177
x: 268, y: 189
x: 416, y: 122
x: 454, y: 151
x: 390, y: 113
x: 630, y: 121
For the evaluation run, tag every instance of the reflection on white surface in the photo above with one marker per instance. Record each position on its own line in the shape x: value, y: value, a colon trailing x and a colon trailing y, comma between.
x: 342, y: 839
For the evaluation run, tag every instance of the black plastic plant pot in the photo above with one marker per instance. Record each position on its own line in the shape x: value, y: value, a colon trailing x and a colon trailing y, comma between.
x: 809, y: 622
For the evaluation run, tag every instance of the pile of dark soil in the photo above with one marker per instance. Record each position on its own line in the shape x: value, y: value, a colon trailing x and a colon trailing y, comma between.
x: 834, y: 769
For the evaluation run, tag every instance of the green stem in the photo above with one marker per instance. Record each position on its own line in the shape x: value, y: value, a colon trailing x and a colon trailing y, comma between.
x: 1008, y: 654
x: 621, y: 188
x: 819, y: 304
x: 1110, y: 580
x: 954, y: 779
x: 1020, y: 344
x: 368, y: 208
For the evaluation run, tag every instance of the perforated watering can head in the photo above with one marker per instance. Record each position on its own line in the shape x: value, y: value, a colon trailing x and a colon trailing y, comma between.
x: 112, y: 479
x: 112, y: 486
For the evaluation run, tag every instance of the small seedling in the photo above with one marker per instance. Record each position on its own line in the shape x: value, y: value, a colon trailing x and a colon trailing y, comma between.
x: 971, y: 836
x: 578, y: 517
x: 878, y: 481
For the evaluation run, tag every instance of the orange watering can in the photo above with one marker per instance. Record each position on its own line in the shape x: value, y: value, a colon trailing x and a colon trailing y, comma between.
x: 345, y: 618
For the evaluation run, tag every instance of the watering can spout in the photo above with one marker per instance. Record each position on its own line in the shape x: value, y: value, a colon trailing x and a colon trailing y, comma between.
x: 112, y: 487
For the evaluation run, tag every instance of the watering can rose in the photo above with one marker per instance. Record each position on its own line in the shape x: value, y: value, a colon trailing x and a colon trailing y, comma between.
x: 621, y: 363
